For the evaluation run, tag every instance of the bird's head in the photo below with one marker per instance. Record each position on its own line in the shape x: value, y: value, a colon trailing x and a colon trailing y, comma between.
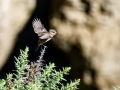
x: 52, y: 32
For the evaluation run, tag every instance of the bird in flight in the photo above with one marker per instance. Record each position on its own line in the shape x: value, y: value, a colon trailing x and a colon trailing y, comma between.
x: 43, y: 34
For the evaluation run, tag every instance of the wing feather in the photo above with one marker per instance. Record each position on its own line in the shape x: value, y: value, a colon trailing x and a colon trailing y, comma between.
x: 37, y: 25
x: 45, y: 36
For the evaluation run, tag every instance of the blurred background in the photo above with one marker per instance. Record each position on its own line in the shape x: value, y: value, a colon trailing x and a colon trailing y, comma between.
x: 88, y: 38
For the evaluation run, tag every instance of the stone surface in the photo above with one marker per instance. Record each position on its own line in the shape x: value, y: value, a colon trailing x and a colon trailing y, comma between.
x: 89, y: 33
x: 14, y: 14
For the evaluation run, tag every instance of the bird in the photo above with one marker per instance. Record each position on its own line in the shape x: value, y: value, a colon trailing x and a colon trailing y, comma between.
x: 43, y: 34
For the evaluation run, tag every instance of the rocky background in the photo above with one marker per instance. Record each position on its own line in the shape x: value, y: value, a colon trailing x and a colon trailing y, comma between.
x: 14, y: 15
x: 88, y: 37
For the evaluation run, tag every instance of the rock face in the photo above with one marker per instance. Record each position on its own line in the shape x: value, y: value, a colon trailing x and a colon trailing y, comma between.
x: 89, y: 33
x: 13, y: 17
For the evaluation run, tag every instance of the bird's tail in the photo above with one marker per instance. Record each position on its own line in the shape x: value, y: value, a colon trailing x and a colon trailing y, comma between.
x: 38, y: 45
x: 37, y: 48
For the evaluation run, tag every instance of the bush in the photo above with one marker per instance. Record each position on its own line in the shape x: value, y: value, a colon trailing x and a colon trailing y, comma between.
x: 34, y: 77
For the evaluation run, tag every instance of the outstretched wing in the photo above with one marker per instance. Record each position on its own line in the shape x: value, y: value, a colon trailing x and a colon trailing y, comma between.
x: 38, y: 27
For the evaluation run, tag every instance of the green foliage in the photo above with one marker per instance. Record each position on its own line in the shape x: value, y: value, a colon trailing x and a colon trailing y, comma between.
x: 21, y: 64
x: 116, y: 88
x: 3, y: 85
x: 36, y: 78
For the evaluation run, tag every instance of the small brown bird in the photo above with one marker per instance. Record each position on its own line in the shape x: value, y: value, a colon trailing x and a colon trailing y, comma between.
x: 43, y: 34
